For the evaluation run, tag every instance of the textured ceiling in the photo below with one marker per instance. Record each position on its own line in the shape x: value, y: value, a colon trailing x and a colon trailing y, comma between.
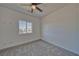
x: 46, y: 7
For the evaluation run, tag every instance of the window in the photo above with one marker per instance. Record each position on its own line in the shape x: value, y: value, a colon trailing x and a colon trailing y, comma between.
x: 29, y: 27
x: 25, y: 27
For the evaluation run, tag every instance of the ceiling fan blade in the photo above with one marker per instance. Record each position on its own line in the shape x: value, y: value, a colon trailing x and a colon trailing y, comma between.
x: 39, y: 9
x: 31, y: 10
x: 36, y: 3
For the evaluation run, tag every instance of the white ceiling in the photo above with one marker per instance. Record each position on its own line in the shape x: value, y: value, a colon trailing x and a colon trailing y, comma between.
x: 46, y: 7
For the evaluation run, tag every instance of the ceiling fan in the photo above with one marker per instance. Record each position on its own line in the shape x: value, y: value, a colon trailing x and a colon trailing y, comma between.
x: 33, y: 6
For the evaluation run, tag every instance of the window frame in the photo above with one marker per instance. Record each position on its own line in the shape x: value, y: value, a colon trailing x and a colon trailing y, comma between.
x: 27, y: 22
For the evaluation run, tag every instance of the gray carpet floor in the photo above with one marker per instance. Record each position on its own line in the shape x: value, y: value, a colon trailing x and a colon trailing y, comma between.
x: 36, y: 48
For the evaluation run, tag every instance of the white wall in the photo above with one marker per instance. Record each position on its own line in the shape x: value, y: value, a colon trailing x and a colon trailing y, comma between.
x: 9, y: 35
x: 61, y: 28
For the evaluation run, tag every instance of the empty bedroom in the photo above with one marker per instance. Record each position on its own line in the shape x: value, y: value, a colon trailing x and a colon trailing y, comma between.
x: 39, y: 29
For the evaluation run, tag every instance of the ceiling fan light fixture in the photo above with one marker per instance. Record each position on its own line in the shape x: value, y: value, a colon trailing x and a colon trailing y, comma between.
x: 33, y: 7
